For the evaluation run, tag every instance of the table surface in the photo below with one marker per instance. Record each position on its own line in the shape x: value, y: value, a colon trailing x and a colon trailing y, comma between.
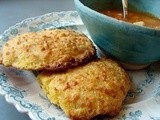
x: 14, y: 11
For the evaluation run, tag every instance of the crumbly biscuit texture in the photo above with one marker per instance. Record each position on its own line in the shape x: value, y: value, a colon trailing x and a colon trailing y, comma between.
x: 97, y: 88
x: 56, y: 49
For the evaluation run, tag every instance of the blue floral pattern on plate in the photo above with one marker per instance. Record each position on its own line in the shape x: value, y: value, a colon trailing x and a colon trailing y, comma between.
x: 21, y: 89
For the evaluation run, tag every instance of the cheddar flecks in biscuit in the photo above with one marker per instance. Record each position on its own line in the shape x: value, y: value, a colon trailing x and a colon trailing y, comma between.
x: 97, y: 88
x: 56, y: 49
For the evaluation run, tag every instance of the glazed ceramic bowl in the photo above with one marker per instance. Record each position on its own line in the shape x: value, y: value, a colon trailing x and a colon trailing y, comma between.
x: 124, y: 41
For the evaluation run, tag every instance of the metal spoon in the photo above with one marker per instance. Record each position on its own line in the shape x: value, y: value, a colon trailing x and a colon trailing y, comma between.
x: 125, y: 8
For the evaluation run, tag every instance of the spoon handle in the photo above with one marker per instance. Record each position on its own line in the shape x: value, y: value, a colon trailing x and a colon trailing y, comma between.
x: 125, y: 8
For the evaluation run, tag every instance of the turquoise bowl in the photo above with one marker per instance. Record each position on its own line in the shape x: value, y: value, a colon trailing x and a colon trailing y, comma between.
x: 124, y: 41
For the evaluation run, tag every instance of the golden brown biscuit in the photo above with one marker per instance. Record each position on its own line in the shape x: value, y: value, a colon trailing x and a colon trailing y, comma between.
x: 56, y: 49
x: 97, y: 88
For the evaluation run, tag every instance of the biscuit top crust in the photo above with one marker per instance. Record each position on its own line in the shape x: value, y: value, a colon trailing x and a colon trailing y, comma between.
x: 97, y: 88
x: 55, y: 49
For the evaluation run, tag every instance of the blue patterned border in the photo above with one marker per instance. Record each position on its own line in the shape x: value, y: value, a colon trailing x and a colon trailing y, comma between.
x: 61, y: 20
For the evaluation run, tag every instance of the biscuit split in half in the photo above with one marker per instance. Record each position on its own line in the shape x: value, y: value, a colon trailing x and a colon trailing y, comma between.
x: 97, y: 88
x: 56, y: 49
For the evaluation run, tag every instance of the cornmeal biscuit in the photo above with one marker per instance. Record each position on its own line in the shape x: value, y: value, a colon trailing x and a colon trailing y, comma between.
x: 56, y: 49
x: 97, y: 88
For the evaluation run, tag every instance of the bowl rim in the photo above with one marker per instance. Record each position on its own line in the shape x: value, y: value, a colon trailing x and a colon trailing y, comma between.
x: 149, y: 30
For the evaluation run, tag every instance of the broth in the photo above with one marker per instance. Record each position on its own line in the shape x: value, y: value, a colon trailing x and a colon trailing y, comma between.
x: 135, y: 18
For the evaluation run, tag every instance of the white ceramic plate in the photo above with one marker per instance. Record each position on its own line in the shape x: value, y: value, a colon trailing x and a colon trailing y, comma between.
x: 21, y: 89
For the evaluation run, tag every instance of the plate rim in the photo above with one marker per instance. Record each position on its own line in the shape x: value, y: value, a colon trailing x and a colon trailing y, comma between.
x: 19, y: 108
